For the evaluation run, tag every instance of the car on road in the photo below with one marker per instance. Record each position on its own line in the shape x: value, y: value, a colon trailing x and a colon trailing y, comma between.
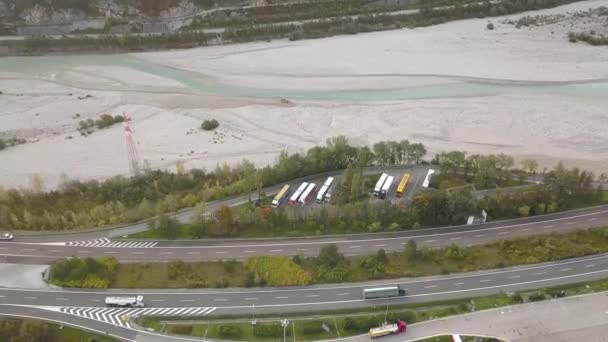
x: 6, y: 237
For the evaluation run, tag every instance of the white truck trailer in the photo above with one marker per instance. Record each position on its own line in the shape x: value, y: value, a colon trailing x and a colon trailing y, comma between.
x: 131, y: 302
x: 321, y: 195
x: 307, y: 194
x: 386, y: 187
x: 296, y: 195
x: 379, y: 184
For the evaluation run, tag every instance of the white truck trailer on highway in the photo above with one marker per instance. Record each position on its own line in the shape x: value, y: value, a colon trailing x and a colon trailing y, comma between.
x: 132, y: 302
x: 321, y: 195
x: 307, y: 194
x: 379, y: 184
x: 386, y: 187
x: 296, y: 195
x: 427, y: 179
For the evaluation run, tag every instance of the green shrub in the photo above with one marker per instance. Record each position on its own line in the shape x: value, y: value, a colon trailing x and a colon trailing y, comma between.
x: 230, y: 331
x: 88, y: 273
x: 209, y: 125
x: 278, y: 271
x: 267, y: 330
x: 182, y: 329
x: 311, y: 327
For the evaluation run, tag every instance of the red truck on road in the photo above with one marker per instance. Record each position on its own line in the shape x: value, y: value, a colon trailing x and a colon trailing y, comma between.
x: 388, y: 329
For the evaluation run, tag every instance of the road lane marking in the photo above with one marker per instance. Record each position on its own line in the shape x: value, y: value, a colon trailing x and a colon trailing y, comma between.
x: 276, y: 250
x: 221, y: 252
x: 61, y: 299
x: 381, y: 245
x: 281, y: 297
x: 503, y: 233
x: 55, y: 251
x: 248, y: 251
x: 313, y: 295
x: 547, y: 226
x: 251, y: 299
x: 525, y: 229
x: 109, y: 252
x: 590, y: 265
x: 187, y: 300
x: 301, y: 249
x: 194, y: 253
x: 485, y: 280
x: 591, y: 219
x: 137, y: 253
x: 30, y: 297
x: 166, y: 253
x: 84, y: 252
x: 569, y: 223
x: 515, y: 277
x: 565, y: 269
x: 429, y: 241
x: 157, y: 300
x: 458, y: 284
x: 430, y: 286
x: 28, y: 249
x: 480, y: 235
x: 94, y: 300
x: 540, y: 273
x: 342, y: 294
x: 220, y: 299
x: 354, y: 246
x: 456, y: 238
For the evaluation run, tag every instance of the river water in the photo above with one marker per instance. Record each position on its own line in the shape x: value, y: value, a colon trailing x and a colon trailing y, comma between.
x: 442, y: 87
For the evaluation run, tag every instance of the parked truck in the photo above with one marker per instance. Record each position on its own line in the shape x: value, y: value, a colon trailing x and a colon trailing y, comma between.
x: 278, y: 199
x: 388, y: 329
x: 296, y: 195
x: 322, y: 194
x: 386, y: 187
x: 379, y: 184
x: 129, y: 302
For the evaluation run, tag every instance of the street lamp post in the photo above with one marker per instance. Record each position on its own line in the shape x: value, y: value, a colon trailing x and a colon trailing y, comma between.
x: 284, y: 324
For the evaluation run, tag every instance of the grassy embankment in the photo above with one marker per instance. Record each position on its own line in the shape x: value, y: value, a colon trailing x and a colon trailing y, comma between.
x: 248, y: 29
x: 39, y: 331
x: 330, y: 266
x: 344, y: 323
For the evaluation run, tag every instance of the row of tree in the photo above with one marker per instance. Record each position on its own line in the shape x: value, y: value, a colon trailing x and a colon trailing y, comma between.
x: 120, y: 199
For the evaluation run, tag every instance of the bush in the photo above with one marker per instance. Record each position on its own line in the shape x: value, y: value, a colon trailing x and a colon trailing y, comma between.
x: 490, y: 26
x: 517, y: 298
x: 230, y: 331
x: 182, y: 329
x: 311, y: 327
x: 209, y: 125
x: 89, y: 272
x: 265, y: 330
x: 2, y: 145
x: 536, y: 297
x: 278, y: 271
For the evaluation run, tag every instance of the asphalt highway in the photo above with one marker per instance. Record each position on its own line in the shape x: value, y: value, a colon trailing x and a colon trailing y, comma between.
x: 36, y: 253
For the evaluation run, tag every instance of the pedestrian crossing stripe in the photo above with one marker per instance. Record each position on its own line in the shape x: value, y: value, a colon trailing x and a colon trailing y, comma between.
x: 113, y: 244
x: 121, y: 316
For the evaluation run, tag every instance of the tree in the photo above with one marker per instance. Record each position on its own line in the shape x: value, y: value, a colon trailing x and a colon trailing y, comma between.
x: 167, y: 227
x: 382, y: 152
x: 209, y: 125
x: 37, y: 184
x: 530, y: 165
x: 405, y: 151
x: 179, y: 167
x: 603, y: 178
x: 411, y: 250
x: 329, y: 256
x: 451, y: 162
x: 417, y: 151
x: 504, y: 162
x: 2, y: 145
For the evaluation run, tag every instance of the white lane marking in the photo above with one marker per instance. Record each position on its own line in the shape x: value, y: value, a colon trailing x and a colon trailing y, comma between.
x: 590, y: 265
x: 480, y: 235
x: 569, y: 223
x: 251, y: 298
x: 166, y: 253
x: 157, y: 300
x: 456, y: 238
x: 503, y: 233
x: 354, y: 246
x: 137, y: 252
x: 458, y: 284
x: 540, y: 273
x: 109, y: 252
x: 187, y: 300
x: 248, y: 252
x: 55, y: 251
x: 3, y: 248
x: 381, y: 245
x: 194, y: 253
x: 429, y: 241
x: 313, y: 295
x: 565, y: 269
x: 220, y: 300
x: 275, y: 250
x: 219, y: 252
x: 485, y: 280
x: 301, y: 249
x: 515, y: 277
x: 84, y: 252
x: 547, y: 226
x: 430, y: 286
x: 342, y: 294
x: 94, y: 300
x: 61, y: 299
x: 525, y: 229
x: 30, y: 297
x: 591, y: 219
x: 28, y: 249
x: 281, y: 297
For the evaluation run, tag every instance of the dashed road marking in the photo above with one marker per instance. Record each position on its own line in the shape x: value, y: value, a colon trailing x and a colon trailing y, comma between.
x: 112, y: 244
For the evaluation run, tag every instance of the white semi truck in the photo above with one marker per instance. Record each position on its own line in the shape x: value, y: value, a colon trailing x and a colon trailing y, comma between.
x: 130, y: 302
x: 379, y: 184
